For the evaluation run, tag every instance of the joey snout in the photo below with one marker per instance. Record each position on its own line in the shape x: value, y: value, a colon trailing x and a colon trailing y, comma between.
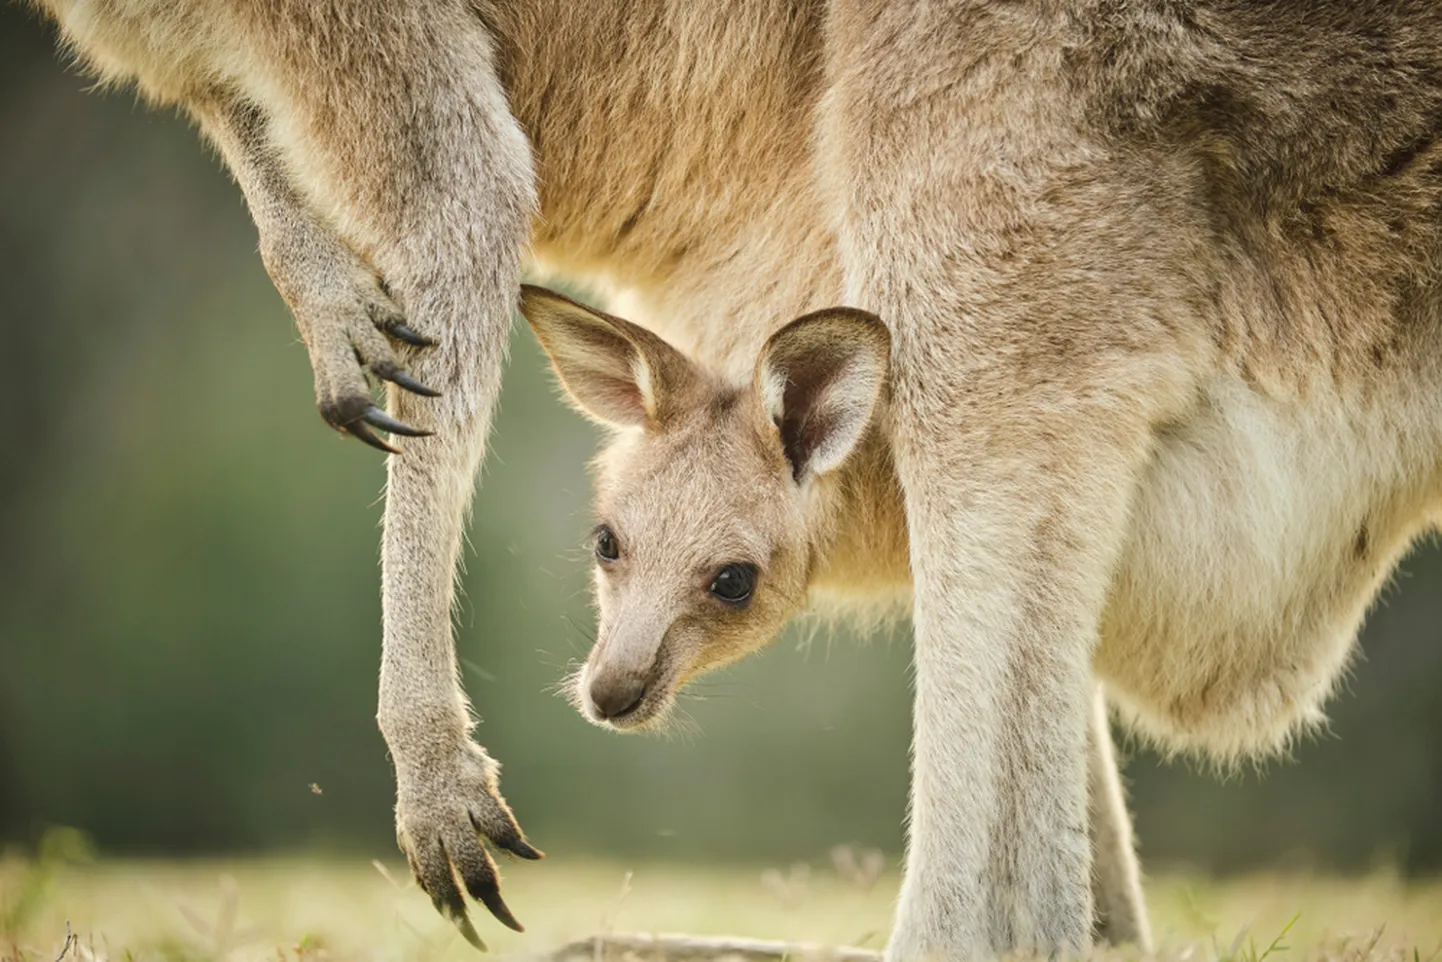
x: 624, y: 683
x: 613, y: 695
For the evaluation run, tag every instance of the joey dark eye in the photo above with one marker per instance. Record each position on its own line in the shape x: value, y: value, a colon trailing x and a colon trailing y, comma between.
x: 734, y: 583
x: 607, y: 547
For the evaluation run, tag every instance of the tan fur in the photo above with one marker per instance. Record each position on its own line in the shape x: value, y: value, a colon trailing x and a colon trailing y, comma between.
x: 1159, y: 283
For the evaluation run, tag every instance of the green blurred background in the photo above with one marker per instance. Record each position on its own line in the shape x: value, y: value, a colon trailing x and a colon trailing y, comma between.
x: 189, y: 611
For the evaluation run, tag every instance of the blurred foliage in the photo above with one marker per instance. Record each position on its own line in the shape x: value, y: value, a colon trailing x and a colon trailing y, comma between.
x: 189, y: 611
x: 26, y: 886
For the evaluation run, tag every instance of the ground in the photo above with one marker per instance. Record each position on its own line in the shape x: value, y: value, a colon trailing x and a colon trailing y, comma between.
x: 307, y: 910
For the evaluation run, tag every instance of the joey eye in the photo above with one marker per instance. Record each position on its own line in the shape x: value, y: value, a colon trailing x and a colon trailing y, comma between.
x: 734, y: 583
x: 608, y: 548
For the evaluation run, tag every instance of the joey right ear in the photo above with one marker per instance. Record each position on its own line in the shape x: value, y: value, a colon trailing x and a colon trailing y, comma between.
x: 819, y: 379
x: 613, y: 371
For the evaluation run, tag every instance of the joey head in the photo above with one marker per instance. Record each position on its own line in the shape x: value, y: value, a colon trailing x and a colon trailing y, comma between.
x: 716, y: 502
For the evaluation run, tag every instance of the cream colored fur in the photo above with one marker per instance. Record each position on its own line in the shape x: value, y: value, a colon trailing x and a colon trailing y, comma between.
x: 1160, y: 289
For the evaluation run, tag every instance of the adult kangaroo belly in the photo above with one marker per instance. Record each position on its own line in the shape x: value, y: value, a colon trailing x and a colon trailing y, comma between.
x: 1259, y: 537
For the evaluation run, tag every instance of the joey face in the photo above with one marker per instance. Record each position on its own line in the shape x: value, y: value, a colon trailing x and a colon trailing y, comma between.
x: 708, y: 495
x: 701, y: 557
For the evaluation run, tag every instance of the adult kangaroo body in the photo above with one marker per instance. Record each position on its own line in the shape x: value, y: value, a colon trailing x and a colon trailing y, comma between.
x: 1082, y: 223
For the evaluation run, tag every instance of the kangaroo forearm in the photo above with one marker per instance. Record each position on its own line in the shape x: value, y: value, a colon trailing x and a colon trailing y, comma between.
x: 237, y: 129
x: 300, y: 253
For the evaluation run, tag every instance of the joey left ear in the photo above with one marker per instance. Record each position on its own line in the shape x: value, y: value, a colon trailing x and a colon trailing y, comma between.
x: 820, y: 378
x: 612, y: 370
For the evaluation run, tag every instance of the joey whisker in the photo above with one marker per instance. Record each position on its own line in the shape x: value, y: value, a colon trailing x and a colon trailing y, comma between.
x: 585, y: 632
x: 677, y: 724
x: 710, y: 687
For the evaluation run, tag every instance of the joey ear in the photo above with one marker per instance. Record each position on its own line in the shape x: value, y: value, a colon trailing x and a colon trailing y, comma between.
x: 615, y: 372
x: 820, y: 378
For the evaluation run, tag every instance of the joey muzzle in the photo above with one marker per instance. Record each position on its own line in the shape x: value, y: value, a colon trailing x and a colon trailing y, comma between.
x: 616, y: 695
x: 625, y: 669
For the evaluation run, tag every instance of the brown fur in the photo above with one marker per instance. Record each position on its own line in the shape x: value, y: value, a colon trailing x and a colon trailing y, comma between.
x: 1159, y: 281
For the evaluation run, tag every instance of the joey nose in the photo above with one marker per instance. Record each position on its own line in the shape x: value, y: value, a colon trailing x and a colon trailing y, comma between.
x: 617, y: 697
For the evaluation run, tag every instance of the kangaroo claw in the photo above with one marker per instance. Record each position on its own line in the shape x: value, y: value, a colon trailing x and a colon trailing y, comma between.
x: 375, y: 416
x: 433, y: 874
x: 402, y: 332
x: 507, y: 836
x: 357, y: 429
x: 445, y: 816
x: 400, y: 378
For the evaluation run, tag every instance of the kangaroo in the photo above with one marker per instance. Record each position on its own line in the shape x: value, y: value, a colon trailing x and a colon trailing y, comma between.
x: 1160, y: 281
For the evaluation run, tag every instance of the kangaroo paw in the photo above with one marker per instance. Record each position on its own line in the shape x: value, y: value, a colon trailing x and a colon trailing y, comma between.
x: 352, y: 327
x: 444, y: 810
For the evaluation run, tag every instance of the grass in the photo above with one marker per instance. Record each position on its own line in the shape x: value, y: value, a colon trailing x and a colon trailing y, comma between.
x: 326, y: 911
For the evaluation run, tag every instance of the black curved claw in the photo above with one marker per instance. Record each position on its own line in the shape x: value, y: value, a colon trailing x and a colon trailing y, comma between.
x: 510, y: 840
x: 488, y: 893
x: 438, y: 882
x: 478, y: 873
x: 398, y: 376
x: 375, y: 416
x: 357, y: 429
x: 393, y: 324
x: 522, y: 848
x: 402, y: 332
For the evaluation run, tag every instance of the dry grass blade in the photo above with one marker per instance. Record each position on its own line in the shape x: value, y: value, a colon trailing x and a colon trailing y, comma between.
x: 70, y: 940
